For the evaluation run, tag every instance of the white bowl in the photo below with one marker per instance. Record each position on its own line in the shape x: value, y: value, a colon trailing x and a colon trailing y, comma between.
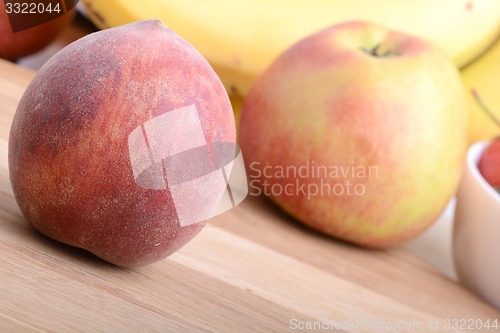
x: 476, y: 232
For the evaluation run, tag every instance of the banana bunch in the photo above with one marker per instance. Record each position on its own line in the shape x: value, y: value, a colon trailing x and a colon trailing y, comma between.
x: 240, y: 38
x: 483, y: 76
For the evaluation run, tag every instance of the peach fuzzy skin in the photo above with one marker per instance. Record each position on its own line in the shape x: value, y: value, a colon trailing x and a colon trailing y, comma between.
x: 68, y: 151
x: 328, y: 101
x: 26, y: 42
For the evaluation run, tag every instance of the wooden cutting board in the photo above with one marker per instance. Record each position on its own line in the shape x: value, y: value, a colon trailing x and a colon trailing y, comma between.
x: 252, y: 269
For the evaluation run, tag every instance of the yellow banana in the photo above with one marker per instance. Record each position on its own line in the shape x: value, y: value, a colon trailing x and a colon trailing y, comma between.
x: 483, y: 75
x: 240, y: 38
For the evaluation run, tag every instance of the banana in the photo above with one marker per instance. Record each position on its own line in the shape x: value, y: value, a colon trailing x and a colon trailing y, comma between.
x: 241, y: 38
x: 483, y: 76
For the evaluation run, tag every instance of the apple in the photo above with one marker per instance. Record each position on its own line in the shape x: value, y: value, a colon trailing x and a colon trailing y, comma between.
x: 14, y: 45
x: 357, y: 131
x: 93, y: 142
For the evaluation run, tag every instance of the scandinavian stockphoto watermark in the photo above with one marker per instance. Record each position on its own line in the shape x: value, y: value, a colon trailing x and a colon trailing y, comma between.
x: 364, y: 324
x: 311, y: 179
x: 204, y: 179
x: 398, y: 325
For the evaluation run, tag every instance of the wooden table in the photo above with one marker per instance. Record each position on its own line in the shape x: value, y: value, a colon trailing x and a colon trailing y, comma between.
x: 252, y: 269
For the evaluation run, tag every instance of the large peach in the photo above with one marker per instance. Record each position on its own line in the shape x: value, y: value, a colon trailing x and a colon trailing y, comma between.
x: 357, y: 131
x: 84, y: 139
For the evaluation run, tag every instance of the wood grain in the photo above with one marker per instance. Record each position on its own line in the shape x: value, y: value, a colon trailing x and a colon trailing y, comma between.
x: 252, y: 269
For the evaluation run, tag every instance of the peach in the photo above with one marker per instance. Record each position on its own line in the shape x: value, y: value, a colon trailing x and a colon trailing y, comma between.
x: 83, y: 142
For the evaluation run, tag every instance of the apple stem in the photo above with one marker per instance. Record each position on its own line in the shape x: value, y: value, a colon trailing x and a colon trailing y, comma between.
x: 484, y: 107
x: 376, y: 52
